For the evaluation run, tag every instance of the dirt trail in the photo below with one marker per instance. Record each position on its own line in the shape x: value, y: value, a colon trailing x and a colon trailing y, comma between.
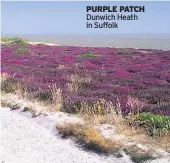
x: 28, y: 140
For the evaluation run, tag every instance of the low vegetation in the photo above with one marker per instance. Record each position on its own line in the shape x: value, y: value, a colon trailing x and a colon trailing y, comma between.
x: 126, y: 88
x: 13, y: 40
x: 88, y: 56
x: 89, y: 137
x: 153, y: 124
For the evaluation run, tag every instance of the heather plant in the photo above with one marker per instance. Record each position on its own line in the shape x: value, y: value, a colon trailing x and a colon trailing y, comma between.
x: 102, y: 85
x: 87, y: 75
x: 160, y: 108
x: 72, y: 104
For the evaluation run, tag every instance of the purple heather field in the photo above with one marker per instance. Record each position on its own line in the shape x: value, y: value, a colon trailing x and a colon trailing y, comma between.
x: 114, y: 73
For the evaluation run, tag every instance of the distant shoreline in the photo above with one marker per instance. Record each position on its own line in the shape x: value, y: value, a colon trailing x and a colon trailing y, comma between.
x: 145, y: 41
x: 46, y: 43
x: 33, y: 43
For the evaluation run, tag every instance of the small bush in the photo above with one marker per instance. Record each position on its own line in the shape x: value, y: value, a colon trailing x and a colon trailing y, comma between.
x: 22, y: 50
x: 158, y: 124
x: 126, y: 52
x: 88, y: 56
x: 9, y: 85
x: 153, y: 124
x: 13, y: 40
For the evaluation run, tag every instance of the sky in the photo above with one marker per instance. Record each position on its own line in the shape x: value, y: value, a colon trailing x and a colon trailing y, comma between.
x: 54, y: 17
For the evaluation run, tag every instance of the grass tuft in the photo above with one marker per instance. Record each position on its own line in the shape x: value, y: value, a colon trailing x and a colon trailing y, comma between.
x: 9, y: 85
x: 92, y: 139
x: 15, y: 107
x: 69, y: 129
x: 89, y: 137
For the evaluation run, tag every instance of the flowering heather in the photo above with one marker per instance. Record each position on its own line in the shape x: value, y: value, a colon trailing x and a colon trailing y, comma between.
x: 103, y: 73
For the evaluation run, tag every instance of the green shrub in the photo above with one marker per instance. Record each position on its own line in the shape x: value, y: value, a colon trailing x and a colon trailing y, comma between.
x: 153, y: 124
x: 22, y: 50
x: 14, y: 40
x: 126, y: 52
x: 88, y: 56
x: 41, y: 44
x: 157, y: 124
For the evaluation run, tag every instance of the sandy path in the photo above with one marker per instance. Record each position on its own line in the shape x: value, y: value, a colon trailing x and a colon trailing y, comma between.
x: 28, y: 140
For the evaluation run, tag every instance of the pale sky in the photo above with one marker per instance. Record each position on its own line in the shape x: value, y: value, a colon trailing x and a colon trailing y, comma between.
x: 70, y: 18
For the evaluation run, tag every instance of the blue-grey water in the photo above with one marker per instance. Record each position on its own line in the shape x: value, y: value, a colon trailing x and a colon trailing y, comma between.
x: 144, y: 41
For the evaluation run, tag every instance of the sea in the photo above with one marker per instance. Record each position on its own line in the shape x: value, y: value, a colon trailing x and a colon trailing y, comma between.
x: 139, y: 41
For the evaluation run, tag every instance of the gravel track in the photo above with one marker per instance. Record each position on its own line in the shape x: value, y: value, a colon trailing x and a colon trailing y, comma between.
x: 34, y: 140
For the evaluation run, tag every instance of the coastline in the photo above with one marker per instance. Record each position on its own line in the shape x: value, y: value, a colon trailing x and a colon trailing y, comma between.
x: 32, y: 43
x: 46, y: 43
x: 137, y: 41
